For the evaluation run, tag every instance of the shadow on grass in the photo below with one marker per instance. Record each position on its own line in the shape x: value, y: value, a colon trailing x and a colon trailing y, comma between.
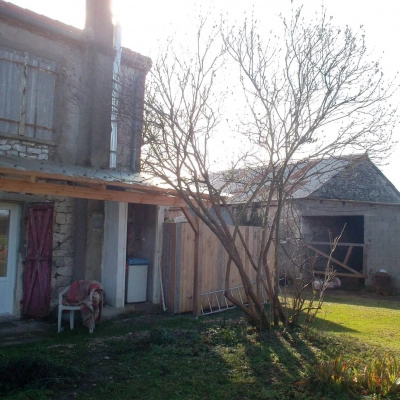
x: 323, y: 325
x: 179, y: 357
x: 281, y: 358
x: 363, y: 298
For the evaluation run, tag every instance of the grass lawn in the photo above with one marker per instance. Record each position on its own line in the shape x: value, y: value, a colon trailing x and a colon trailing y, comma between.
x: 217, y: 357
x: 363, y: 317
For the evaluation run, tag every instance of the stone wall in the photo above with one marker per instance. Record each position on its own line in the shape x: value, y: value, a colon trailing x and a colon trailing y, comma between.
x: 63, y: 245
x: 24, y: 148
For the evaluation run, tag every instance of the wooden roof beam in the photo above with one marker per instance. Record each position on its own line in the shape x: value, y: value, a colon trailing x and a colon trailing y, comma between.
x: 88, y: 192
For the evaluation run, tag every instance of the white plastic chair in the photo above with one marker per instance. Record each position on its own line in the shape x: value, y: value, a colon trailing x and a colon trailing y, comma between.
x: 70, y: 308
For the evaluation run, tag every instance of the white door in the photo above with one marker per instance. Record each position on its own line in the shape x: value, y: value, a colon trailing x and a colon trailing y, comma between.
x: 9, y: 217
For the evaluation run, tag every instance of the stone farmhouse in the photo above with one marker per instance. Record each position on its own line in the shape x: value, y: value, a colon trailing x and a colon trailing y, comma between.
x: 73, y: 203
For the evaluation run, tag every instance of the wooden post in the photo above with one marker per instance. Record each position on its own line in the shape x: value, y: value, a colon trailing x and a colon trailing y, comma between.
x: 172, y: 272
x: 195, y: 224
x: 196, y: 273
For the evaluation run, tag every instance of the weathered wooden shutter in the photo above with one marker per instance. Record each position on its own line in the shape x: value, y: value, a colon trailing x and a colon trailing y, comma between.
x: 11, y: 71
x: 28, y: 84
x: 40, y: 98
x: 37, y: 273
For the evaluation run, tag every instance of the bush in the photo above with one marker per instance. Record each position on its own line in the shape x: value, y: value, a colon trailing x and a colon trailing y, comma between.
x: 379, y: 377
x: 336, y: 376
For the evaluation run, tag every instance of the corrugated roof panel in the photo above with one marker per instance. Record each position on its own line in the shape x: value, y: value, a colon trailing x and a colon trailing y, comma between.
x: 59, y: 170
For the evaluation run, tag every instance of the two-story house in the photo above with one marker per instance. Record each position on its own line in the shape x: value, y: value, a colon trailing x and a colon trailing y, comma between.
x: 73, y: 204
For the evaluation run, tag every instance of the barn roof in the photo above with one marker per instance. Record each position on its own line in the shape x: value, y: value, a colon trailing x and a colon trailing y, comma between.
x: 352, y: 177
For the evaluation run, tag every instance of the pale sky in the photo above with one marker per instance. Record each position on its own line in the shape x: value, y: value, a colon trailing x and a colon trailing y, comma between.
x: 146, y: 23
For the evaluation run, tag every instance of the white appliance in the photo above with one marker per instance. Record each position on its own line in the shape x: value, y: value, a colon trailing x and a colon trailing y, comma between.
x: 136, y: 280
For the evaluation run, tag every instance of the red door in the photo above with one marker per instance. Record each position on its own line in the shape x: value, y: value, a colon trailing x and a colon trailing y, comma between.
x: 37, y: 274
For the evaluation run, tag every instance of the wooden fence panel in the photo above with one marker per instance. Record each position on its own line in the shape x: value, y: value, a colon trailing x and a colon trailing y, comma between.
x: 178, y: 261
x: 168, y: 264
x: 186, y: 268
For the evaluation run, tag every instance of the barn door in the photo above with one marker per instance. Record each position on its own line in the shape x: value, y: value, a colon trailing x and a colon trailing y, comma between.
x: 37, y: 274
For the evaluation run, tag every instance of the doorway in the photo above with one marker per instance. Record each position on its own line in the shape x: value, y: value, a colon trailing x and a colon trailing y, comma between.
x: 346, y: 256
x: 9, y: 217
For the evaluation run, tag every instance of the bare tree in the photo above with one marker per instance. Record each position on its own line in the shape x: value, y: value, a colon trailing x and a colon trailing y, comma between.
x: 316, y: 96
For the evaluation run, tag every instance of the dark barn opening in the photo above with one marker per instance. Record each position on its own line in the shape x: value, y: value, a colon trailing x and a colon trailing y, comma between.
x: 347, y: 258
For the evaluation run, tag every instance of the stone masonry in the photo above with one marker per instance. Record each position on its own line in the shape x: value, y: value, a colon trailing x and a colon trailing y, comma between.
x: 63, y: 245
x: 24, y: 148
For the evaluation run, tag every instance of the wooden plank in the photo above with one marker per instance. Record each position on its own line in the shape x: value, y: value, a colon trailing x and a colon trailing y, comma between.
x: 168, y: 264
x: 340, y: 274
x: 338, y: 244
x: 95, y: 193
x: 186, y: 268
x: 348, y: 254
x: 330, y: 258
x: 212, y: 258
x: 39, y: 107
x: 85, y: 180
x: 246, y: 232
x: 172, y: 274
x: 314, y: 261
x: 194, y: 223
x: 196, y: 273
x: 178, y: 265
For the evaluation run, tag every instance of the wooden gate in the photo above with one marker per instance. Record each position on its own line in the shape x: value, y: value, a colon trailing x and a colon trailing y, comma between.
x: 37, y: 274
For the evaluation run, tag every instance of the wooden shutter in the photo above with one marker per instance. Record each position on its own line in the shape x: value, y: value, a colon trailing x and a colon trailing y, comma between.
x: 28, y: 84
x: 11, y: 72
x: 40, y: 98
x: 37, y: 273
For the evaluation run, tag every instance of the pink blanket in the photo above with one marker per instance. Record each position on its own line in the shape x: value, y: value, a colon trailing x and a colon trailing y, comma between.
x: 88, y: 294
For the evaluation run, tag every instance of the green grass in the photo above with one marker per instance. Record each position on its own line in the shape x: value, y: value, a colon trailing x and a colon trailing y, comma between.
x: 365, y: 317
x: 216, y: 357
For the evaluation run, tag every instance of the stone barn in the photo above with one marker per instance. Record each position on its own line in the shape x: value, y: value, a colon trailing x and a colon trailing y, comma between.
x: 360, y: 206
x: 345, y: 198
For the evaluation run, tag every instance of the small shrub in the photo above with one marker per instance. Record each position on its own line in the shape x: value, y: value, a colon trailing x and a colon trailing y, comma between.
x: 337, y: 376
x: 381, y: 376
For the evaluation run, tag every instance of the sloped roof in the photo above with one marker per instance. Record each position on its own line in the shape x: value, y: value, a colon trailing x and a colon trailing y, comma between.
x: 75, y: 172
x: 24, y: 175
x: 310, y: 179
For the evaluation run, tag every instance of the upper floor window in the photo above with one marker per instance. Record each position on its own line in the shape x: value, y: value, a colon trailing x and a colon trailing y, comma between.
x: 26, y: 94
